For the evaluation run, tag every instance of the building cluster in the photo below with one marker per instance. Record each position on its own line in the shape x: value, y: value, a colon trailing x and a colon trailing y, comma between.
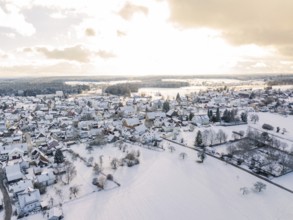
x: 33, y: 128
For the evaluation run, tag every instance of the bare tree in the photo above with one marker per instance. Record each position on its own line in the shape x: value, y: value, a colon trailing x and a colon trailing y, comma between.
x: 97, y: 169
x: 201, y: 155
x: 212, y: 136
x: 283, y: 146
x: 244, y: 190
x: 276, y: 143
x: 114, y: 163
x: 101, y: 160
x: 74, y: 156
x: 182, y: 155
x: 70, y: 172
x: 89, y: 149
x: 90, y: 160
x: 243, y: 145
x: 221, y: 136
x: 171, y: 148
x: 137, y: 153
x: 254, y: 118
x: 205, y: 137
x: 259, y: 186
x: 59, y: 193
x: 284, y: 130
x: 231, y: 149
x: 74, y: 190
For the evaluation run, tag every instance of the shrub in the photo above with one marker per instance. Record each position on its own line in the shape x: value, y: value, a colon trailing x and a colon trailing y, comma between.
x: 268, y: 127
x: 95, y: 181
x: 110, y: 177
x: 130, y: 156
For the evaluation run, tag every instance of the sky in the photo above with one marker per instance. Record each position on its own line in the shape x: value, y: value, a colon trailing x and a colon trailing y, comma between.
x: 145, y: 37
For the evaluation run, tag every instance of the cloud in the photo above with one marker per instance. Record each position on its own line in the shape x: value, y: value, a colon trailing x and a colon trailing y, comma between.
x: 90, y: 32
x: 105, y: 54
x: 58, y: 69
x: 3, y: 55
x: 27, y: 50
x: 128, y: 10
x: 262, y: 22
x: 12, y: 18
x: 76, y: 53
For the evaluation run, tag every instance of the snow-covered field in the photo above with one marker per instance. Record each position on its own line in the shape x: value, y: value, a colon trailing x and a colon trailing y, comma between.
x: 163, y: 186
x: 277, y: 120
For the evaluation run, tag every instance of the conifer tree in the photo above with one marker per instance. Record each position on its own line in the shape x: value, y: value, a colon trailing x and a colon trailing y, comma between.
x: 198, y: 139
x: 59, y: 157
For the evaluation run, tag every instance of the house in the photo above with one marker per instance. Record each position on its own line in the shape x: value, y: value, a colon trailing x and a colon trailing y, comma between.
x: 29, y: 200
x: 13, y: 173
x: 39, y: 157
x: 130, y: 122
x: 112, y: 138
x: 20, y: 186
x: 37, y: 170
x: 150, y: 116
x: 127, y: 111
x: 13, y: 151
x: 141, y: 129
x: 200, y: 120
x: 46, y: 178
x: 171, y: 113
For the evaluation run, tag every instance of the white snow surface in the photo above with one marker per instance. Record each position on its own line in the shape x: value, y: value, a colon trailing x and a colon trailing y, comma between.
x: 163, y: 186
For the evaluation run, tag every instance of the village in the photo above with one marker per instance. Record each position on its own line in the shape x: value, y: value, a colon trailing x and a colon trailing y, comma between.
x: 56, y: 149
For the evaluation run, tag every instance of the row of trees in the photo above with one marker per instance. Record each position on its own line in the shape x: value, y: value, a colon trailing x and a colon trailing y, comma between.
x: 210, y: 137
x: 228, y: 116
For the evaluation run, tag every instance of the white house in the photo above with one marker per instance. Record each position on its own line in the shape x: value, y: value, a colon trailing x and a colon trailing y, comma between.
x: 130, y: 122
x: 20, y: 186
x: 28, y: 201
x: 200, y: 120
x: 13, y: 151
x: 13, y: 173
x: 46, y: 178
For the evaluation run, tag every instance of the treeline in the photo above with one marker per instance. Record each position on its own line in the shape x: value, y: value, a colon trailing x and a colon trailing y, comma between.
x: 125, y: 89
x: 162, y: 84
x: 19, y: 88
x: 283, y: 81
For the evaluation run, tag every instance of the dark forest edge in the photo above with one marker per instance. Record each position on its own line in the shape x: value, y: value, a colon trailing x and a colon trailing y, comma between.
x: 127, y: 88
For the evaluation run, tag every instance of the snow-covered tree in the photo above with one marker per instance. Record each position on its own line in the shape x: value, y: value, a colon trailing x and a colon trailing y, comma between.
x: 221, y: 136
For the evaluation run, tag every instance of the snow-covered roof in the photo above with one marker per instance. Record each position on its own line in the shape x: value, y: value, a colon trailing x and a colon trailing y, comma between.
x: 13, y: 172
x: 20, y: 186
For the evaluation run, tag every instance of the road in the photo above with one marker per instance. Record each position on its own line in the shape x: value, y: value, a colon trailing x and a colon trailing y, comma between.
x: 6, y: 199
